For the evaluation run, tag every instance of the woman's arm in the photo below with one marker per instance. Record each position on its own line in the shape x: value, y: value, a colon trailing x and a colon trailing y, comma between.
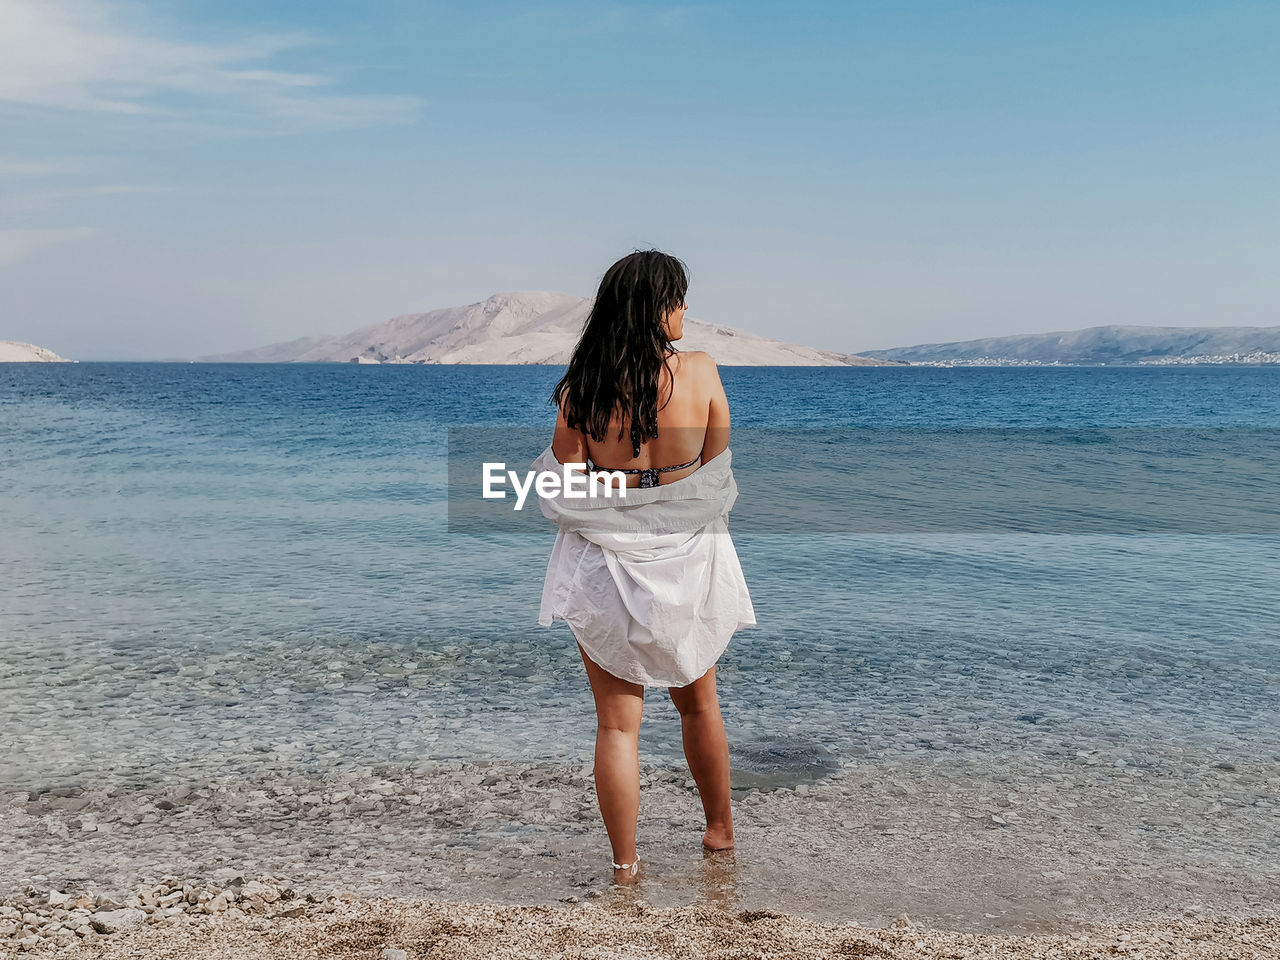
x: 717, y: 438
x: 568, y: 445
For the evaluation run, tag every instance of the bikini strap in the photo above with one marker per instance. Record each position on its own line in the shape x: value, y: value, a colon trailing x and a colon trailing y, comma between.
x: 680, y: 466
x: 592, y: 465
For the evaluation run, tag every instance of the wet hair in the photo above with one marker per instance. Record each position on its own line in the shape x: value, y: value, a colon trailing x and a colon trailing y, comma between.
x: 615, y: 366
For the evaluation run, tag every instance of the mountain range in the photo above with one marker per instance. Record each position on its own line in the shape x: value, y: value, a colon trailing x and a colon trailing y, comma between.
x: 519, y: 327
x: 538, y: 327
x: 1106, y: 344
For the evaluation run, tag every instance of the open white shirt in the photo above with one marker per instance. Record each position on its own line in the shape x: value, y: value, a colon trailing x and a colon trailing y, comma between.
x: 649, y: 582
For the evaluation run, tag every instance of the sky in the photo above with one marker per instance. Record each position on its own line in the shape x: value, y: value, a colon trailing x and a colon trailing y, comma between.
x: 186, y: 177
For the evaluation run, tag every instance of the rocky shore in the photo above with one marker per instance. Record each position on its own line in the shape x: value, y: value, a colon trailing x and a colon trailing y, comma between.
x: 230, y: 917
x: 1049, y: 854
x: 45, y: 917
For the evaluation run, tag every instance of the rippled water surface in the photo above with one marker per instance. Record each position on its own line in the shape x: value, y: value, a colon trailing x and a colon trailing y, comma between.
x: 234, y: 573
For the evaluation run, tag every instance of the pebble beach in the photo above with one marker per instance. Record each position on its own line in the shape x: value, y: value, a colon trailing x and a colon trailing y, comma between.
x: 228, y: 917
x: 446, y: 858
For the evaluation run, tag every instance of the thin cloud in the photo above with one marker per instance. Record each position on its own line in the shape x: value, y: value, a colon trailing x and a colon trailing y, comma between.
x: 101, y: 56
x: 48, y: 199
x: 17, y: 243
x: 36, y: 169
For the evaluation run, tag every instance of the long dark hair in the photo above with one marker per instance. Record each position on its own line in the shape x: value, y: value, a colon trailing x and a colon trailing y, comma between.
x: 623, y: 347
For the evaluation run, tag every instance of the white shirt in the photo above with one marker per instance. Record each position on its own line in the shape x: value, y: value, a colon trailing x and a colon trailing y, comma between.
x: 649, y: 582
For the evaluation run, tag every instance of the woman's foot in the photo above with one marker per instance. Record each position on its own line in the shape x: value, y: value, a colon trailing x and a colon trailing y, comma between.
x: 718, y: 838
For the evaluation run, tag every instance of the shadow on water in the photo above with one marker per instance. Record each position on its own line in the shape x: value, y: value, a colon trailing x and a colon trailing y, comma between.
x: 769, y: 763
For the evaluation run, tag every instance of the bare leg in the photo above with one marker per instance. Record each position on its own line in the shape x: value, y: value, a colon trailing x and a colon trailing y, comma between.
x: 619, y: 708
x: 707, y: 749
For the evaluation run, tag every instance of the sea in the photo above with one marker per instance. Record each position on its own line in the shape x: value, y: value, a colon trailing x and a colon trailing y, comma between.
x: 242, y: 624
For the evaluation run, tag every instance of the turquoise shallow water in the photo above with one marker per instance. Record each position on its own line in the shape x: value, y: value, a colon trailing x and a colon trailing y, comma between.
x: 206, y: 567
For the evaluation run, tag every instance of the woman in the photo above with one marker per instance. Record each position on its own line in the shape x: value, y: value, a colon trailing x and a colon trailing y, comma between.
x: 650, y: 583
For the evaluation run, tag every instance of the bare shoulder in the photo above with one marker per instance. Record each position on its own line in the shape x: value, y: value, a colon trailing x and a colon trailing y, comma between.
x: 698, y: 362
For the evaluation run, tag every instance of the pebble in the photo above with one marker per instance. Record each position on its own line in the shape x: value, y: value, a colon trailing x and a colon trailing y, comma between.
x: 117, y: 921
x: 51, y: 916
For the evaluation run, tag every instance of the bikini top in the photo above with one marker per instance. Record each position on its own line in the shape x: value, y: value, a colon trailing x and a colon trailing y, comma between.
x: 648, y: 475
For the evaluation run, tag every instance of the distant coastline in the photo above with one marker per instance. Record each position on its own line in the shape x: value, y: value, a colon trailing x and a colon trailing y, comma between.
x: 539, y: 329
x: 1111, y: 345
x: 523, y: 327
x: 1235, y: 359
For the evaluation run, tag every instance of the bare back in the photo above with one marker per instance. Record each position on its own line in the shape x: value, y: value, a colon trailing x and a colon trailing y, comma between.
x: 693, y: 424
